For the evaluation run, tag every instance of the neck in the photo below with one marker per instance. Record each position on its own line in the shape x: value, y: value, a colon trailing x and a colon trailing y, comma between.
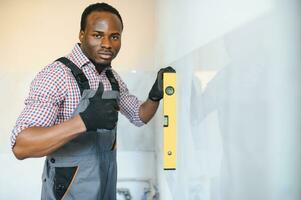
x: 99, y: 67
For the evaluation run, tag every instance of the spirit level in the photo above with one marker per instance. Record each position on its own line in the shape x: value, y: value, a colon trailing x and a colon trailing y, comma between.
x: 170, y: 123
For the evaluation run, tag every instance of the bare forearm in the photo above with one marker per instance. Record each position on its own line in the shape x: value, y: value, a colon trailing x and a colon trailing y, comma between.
x: 40, y: 141
x: 147, y: 110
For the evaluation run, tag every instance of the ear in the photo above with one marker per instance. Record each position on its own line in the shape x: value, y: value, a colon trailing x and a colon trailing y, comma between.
x: 81, y: 36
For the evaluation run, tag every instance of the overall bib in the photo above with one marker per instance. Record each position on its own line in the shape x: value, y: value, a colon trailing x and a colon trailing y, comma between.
x: 84, y: 168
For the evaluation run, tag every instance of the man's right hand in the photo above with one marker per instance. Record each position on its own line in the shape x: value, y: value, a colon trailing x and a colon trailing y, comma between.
x: 100, y: 113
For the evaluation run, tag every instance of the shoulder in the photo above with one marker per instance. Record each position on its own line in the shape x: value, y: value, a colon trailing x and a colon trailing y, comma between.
x: 53, y: 71
x: 52, y: 76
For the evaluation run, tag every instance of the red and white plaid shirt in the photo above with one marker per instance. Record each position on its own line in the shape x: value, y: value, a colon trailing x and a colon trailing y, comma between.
x: 54, y: 95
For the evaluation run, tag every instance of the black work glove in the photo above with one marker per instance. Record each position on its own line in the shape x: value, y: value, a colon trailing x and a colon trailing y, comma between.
x: 100, y: 113
x: 156, y: 93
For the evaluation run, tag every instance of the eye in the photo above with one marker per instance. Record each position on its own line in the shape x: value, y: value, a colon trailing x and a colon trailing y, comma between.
x: 116, y: 37
x: 97, y: 36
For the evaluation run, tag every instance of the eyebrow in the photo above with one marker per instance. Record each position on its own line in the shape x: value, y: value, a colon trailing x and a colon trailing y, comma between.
x: 101, y: 32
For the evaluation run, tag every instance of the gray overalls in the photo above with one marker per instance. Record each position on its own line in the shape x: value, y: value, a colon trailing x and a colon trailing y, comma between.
x: 84, y: 168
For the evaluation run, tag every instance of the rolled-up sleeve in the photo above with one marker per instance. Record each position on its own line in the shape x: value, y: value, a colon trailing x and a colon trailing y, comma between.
x: 42, y: 103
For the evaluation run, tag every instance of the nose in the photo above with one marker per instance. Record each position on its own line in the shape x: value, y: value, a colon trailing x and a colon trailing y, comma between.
x: 106, y: 43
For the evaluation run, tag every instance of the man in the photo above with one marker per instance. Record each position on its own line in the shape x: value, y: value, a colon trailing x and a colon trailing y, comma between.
x: 72, y: 109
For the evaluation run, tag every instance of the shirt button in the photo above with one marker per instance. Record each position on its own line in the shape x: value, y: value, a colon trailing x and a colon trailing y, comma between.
x: 52, y: 160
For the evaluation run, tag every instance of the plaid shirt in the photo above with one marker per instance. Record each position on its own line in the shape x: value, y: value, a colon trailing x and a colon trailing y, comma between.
x: 54, y: 95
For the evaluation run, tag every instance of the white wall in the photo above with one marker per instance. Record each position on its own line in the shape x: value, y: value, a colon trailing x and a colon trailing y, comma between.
x: 183, y: 26
x: 238, y: 98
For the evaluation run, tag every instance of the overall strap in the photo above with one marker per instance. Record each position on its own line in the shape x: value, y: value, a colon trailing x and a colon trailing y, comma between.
x: 78, y: 74
x: 115, y: 86
x: 112, y: 80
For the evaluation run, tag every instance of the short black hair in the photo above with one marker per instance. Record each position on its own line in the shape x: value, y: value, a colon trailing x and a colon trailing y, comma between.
x: 98, y: 7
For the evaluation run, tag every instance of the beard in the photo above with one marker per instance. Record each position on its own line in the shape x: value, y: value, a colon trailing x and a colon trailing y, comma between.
x: 100, y: 66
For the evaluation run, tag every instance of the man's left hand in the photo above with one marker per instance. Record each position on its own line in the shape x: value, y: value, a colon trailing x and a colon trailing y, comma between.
x: 156, y: 93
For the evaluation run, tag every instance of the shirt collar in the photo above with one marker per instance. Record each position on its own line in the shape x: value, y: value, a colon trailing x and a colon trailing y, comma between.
x: 78, y: 57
